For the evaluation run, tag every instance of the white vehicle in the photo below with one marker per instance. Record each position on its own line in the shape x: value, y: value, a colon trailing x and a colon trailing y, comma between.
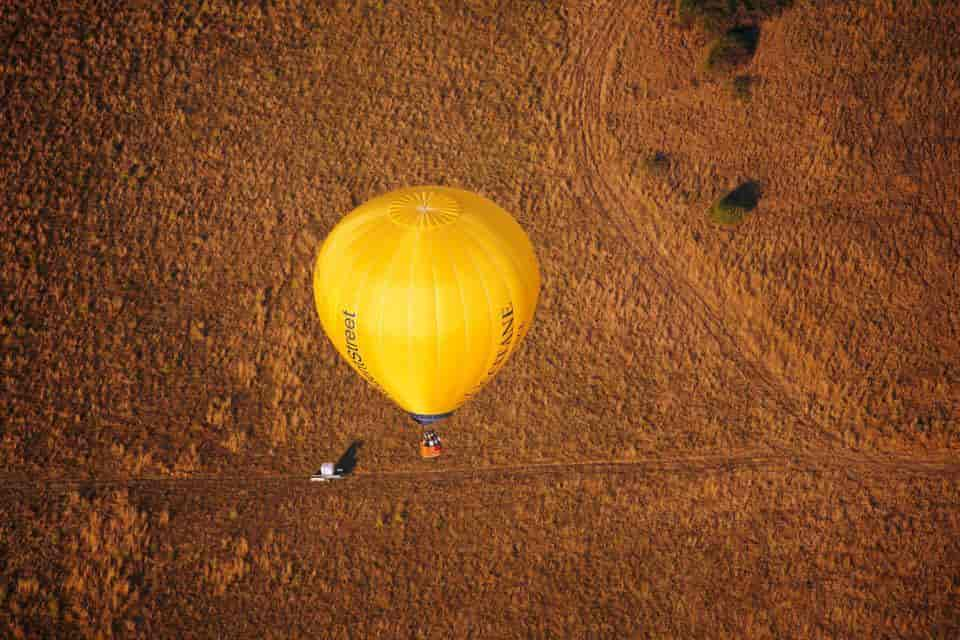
x: 328, y: 471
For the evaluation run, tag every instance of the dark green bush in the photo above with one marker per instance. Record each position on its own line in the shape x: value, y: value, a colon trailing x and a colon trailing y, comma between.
x: 656, y: 164
x: 715, y: 16
x: 734, y: 207
x: 742, y: 87
x: 735, y: 48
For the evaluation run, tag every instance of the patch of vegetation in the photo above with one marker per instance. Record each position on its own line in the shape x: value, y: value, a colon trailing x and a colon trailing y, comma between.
x: 709, y: 15
x: 742, y: 87
x: 656, y: 164
x: 735, y: 48
x: 734, y: 207
x: 716, y: 16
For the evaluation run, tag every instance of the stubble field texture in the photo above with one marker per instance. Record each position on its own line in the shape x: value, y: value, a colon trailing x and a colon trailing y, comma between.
x: 712, y: 430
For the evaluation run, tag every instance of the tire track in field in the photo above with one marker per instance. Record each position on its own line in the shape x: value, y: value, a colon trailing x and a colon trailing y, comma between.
x: 583, y: 81
x: 853, y: 465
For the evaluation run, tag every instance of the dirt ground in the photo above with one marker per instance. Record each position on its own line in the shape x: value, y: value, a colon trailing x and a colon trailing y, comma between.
x: 748, y: 431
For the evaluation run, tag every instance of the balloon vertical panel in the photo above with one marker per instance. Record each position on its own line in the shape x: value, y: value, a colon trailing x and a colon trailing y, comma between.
x: 348, y: 265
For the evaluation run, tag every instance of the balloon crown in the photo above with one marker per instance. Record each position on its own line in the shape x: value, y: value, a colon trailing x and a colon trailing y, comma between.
x: 424, y: 208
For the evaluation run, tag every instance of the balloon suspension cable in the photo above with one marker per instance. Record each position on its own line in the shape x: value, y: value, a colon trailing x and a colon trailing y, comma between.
x: 426, y: 419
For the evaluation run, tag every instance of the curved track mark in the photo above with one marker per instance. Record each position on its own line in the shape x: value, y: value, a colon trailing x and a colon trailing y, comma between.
x: 586, y: 76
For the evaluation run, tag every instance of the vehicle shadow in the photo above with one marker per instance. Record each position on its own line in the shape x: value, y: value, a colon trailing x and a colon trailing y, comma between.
x: 348, y: 461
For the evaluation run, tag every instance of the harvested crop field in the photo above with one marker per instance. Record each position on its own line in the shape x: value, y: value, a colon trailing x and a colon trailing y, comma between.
x: 733, y: 416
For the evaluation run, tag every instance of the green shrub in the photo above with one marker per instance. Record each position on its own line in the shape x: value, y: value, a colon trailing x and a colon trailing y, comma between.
x: 709, y: 15
x: 656, y: 164
x: 735, y: 48
x: 714, y: 16
x: 741, y: 87
x: 734, y: 207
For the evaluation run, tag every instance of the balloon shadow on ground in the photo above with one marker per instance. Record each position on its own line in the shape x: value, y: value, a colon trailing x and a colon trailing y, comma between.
x: 348, y: 461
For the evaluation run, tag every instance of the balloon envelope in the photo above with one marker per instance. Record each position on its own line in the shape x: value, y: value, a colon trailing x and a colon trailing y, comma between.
x: 426, y: 292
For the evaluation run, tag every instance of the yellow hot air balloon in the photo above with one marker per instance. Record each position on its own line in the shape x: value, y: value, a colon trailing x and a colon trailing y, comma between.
x: 426, y: 292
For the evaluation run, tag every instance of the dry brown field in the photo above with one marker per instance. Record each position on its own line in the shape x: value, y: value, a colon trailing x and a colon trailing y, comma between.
x: 711, y: 431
